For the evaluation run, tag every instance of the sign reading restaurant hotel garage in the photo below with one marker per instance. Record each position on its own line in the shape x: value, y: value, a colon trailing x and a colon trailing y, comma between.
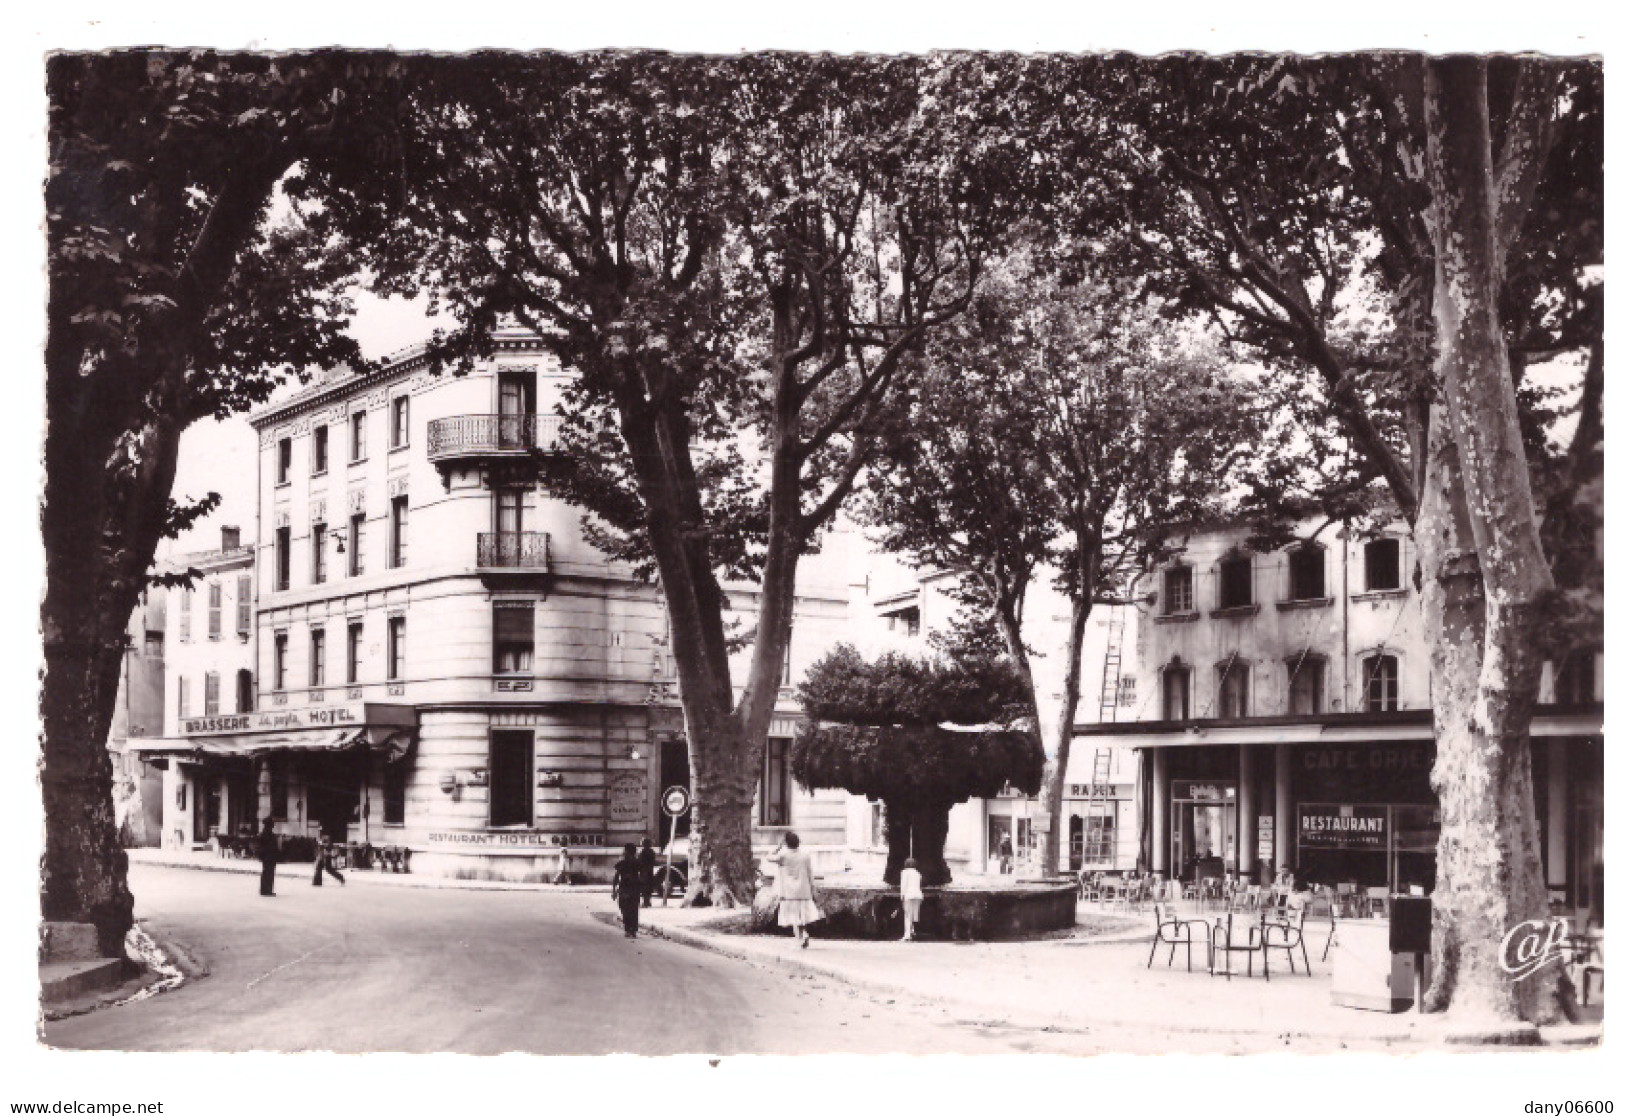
x: 1342, y: 827
x: 515, y: 840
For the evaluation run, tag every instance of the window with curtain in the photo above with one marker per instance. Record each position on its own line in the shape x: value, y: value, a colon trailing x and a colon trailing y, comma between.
x: 352, y: 654
x: 358, y: 538
x: 513, y: 641
x: 1176, y: 694
x: 397, y: 532
x: 397, y: 648
x: 279, y: 662
x: 318, y: 657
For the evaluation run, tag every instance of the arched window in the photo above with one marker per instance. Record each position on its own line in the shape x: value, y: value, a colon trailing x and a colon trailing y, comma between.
x: 1176, y: 692
x: 1234, y: 676
x: 1306, y: 572
x: 1306, y: 682
x: 1235, y: 580
x: 1380, y: 677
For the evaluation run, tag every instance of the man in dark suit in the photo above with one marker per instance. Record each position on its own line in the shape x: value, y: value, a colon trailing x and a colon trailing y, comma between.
x: 646, y: 867
x: 267, y: 852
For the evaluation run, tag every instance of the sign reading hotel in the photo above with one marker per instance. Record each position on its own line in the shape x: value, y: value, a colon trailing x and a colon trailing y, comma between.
x: 514, y: 839
x: 1342, y: 827
x: 277, y: 720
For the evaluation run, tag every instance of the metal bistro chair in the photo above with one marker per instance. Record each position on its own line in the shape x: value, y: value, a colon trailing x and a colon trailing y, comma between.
x: 1286, y: 934
x: 1175, y: 932
x: 1224, y: 941
x: 1377, y: 902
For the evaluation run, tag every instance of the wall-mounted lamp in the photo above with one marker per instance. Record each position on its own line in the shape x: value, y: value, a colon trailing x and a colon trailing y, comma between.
x: 632, y: 752
x: 450, y: 784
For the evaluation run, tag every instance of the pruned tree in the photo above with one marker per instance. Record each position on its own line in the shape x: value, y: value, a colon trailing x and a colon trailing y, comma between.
x: 738, y: 259
x: 1062, y: 428
x: 918, y: 735
x: 172, y: 298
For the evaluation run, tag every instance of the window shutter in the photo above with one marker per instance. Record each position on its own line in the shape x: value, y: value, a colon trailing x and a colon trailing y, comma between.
x: 245, y: 605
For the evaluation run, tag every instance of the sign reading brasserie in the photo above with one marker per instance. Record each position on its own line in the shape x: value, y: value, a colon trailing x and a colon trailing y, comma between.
x: 1342, y: 827
x: 332, y: 716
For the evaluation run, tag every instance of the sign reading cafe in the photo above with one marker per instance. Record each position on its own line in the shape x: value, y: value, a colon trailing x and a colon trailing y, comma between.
x: 1342, y: 827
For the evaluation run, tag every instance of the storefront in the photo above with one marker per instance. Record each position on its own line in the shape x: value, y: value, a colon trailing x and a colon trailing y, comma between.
x: 1100, y: 826
x: 312, y: 771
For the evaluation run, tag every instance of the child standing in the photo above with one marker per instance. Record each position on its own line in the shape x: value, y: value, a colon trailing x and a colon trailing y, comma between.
x: 913, y: 892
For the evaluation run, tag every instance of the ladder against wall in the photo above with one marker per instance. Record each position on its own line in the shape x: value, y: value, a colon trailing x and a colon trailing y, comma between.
x: 1098, y: 840
x: 1112, y: 666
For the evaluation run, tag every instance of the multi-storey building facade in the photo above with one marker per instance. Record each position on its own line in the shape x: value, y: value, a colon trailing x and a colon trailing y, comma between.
x: 443, y: 661
x: 208, y: 672
x: 1287, y: 722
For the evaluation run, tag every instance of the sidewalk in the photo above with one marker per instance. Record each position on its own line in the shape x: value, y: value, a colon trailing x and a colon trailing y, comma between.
x: 301, y: 871
x: 1096, y: 982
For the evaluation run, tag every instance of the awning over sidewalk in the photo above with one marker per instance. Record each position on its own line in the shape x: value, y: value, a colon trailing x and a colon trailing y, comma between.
x: 390, y: 740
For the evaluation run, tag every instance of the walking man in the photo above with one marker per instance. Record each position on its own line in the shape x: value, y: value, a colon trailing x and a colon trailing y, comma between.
x: 324, y: 860
x: 267, y: 852
x: 626, y: 887
x: 646, y: 866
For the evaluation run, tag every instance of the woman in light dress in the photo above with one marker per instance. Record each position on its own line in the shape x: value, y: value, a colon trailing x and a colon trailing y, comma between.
x: 795, y: 884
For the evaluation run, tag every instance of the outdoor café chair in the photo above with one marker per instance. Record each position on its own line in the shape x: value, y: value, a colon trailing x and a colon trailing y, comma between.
x: 1175, y: 932
x: 1286, y: 934
x: 1224, y: 941
x: 1376, y: 900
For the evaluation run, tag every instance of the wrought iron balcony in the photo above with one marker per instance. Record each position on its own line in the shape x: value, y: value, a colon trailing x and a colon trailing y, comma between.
x: 475, y: 436
x: 518, y: 551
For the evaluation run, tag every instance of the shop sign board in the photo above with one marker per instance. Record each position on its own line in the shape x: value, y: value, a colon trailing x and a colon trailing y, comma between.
x: 1342, y: 827
x: 629, y: 798
x: 1203, y: 790
x: 267, y: 720
x: 1266, y: 837
x: 510, y: 839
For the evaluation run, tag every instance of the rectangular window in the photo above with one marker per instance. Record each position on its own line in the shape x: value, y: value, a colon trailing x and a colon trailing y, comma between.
x: 1233, y: 690
x: 1303, y: 695
x: 318, y: 451
x: 216, y: 604
x: 513, y: 641
x: 318, y: 657
x: 1236, y: 582
x: 284, y: 461
x: 399, y: 421
x: 279, y: 662
x: 1381, y: 676
x: 183, y: 697
x: 245, y: 691
x: 186, y: 615
x: 318, y: 553
x: 397, y: 648
x: 1381, y: 565
x: 397, y: 532
x: 877, y: 824
x: 279, y: 787
x: 773, y: 796
x: 510, y: 511
x: 395, y: 793
x: 1176, y: 694
x: 358, y: 539
x: 1177, y: 585
x: 280, y: 554
x: 784, y: 665
x: 510, y: 778
x: 1574, y: 682
x: 352, y: 654
x: 1307, y: 569
x: 358, y: 436
x: 905, y: 620
x: 211, y: 694
x: 245, y: 605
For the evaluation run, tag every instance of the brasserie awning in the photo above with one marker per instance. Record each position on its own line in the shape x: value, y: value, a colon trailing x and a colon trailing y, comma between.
x: 391, y: 741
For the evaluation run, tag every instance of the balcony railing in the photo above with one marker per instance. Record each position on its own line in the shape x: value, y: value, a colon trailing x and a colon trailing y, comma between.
x: 513, y: 550
x: 473, y: 435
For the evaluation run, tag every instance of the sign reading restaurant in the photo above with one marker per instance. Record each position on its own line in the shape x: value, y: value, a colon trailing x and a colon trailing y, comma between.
x: 1342, y: 827
x: 279, y: 720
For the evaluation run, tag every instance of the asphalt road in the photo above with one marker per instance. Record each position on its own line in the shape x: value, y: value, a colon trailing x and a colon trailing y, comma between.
x: 373, y: 968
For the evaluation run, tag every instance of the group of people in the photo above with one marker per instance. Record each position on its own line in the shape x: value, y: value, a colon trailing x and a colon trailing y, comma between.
x: 634, y: 876
x: 268, y: 848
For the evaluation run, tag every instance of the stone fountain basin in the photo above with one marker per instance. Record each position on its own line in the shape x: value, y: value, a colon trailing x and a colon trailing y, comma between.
x: 958, y: 912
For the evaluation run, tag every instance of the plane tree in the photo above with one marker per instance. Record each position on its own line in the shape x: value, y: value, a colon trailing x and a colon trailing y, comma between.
x: 738, y: 260
x: 172, y: 298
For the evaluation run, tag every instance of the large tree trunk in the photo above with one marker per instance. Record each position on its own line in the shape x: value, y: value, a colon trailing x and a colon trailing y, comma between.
x: 1055, y: 771
x: 1479, y: 528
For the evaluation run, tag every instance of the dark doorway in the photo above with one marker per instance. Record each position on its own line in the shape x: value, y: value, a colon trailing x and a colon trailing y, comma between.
x: 511, y: 778
x: 673, y: 773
